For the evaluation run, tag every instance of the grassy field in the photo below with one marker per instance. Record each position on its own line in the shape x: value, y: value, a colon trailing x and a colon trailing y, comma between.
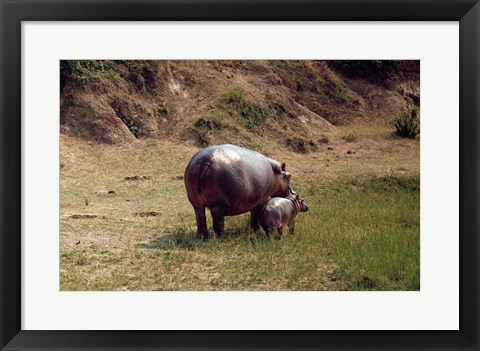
x: 126, y: 223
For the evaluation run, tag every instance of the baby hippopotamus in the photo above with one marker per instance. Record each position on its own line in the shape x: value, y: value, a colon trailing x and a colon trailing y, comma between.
x: 280, y: 211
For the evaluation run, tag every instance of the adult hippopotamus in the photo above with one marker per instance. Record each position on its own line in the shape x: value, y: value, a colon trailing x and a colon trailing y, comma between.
x: 231, y: 180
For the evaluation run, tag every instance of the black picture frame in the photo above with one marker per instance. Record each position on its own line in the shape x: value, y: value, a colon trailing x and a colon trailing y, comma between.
x: 13, y: 12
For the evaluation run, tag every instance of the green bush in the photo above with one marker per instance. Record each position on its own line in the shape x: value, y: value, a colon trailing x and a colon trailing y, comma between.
x: 202, y: 139
x: 252, y: 114
x: 324, y: 139
x: 80, y: 71
x: 350, y: 138
x: 211, y: 121
x: 207, y: 125
x: 203, y: 123
x: 132, y: 123
x: 301, y: 146
x: 407, y: 125
x: 234, y: 96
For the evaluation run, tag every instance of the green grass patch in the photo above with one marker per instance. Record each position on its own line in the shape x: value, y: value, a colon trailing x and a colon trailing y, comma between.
x: 205, y: 128
x: 371, y: 230
x: 350, y: 137
x: 81, y: 71
x: 235, y: 118
x: 301, y: 145
x: 346, y: 96
x: 324, y: 139
x: 252, y: 114
x: 359, y: 234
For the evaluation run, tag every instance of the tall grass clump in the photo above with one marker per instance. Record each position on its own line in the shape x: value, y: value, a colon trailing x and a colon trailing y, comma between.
x: 252, y: 114
x: 300, y: 145
x: 350, y: 138
x: 407, y: 124
x: 81, y: 71
x: 208, y: 127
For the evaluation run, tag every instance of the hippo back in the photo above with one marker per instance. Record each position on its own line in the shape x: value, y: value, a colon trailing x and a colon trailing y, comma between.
x: 235, y: 178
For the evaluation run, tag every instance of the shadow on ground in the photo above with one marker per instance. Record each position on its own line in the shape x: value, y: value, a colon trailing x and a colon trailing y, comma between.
x: 187, y: 240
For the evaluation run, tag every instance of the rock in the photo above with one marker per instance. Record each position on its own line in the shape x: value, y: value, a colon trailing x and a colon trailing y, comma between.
x: 83, y: 216
x: 146, y: 214
x: 136, y: 177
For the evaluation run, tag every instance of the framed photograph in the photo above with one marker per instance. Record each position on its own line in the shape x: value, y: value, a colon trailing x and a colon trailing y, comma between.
x: 239, y: 175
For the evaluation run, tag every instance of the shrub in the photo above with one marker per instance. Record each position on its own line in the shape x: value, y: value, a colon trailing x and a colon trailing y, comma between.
x: 132, y: 123
x: 300, y: 145
x: 407, y: 125
x: 203, y: 123
x: 234, y: 96
x: 324, y: 139
x: 206, y: 126
x: 252, y: 114
x: 202, y: 139
x: 350, y: 138
x: 67, y: 102
x: 81, y: 71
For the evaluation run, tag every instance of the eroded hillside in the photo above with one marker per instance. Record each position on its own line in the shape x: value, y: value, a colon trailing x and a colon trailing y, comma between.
x: 294, y: 104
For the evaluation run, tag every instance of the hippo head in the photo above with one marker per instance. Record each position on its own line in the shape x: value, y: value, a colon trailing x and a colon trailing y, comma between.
x: 282, y: 182
x: 303, y: 205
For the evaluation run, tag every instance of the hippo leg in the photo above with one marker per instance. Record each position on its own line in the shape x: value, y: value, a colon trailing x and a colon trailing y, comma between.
x: 254, y: 219
x: 218, y: 219
x: 202, y: 231
x: 291, y: 229
x: 269, y: 230
x: 280, y: 233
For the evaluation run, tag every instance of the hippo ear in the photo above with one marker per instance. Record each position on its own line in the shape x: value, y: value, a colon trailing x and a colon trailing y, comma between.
x: 283, y: 166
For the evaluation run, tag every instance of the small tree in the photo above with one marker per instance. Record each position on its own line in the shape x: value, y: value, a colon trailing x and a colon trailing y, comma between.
x: 407, y: 124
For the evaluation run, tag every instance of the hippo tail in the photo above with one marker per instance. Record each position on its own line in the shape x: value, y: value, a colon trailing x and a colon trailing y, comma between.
x: 200, y: 172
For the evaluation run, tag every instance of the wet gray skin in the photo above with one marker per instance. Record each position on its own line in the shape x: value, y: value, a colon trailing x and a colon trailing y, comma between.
x: 231, y: 180
x: 279, y: 212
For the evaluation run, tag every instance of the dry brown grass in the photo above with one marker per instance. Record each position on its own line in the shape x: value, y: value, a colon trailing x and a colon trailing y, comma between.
x: 121, y: 250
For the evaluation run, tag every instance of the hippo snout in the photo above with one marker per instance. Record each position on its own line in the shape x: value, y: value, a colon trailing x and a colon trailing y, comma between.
x: 306, y: 208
